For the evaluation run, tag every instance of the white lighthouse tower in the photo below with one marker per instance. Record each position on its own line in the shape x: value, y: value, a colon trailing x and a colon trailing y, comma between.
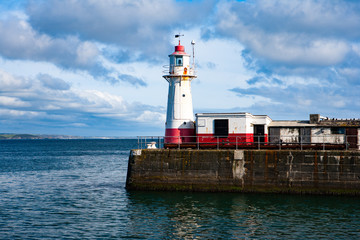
x: 180, y: 127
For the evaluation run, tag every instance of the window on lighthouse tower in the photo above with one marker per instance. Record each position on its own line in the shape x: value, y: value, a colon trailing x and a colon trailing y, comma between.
x: 179, y: 61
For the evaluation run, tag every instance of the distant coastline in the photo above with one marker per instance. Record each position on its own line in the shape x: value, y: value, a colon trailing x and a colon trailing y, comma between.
x: 15, y: 136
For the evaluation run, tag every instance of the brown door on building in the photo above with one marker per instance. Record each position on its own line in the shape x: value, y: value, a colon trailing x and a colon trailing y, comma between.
x: 305, y: 135
x: 274, y: 135
x: 259, y: 132
x: 352, y: 137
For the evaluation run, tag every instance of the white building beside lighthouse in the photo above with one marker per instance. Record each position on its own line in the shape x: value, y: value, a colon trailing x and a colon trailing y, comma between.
x: 180, y: 127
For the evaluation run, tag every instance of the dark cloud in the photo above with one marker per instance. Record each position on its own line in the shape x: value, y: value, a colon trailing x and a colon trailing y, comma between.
x: 254, y: 80
x: 20, y: 41
x: 318, y: 18
x: 263, y: 79
x: 53, y: 83
x: 132, y: 80
x: 118, y: 55
x: 207, y: 33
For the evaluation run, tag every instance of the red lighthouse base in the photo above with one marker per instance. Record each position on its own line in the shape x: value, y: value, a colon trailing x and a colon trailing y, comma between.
x: 180, y: 135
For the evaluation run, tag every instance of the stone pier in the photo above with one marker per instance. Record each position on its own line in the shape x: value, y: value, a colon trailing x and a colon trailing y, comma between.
x: 270, y: 171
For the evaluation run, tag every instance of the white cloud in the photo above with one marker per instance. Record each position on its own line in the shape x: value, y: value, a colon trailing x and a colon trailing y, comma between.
x: 101, y: 102
x: 290, y: 51
x: 12, y: 102
x: 9, y: 114
x: 86, y: 52
x: 20, y: 41
x: 356, y: 48
x: 149, y: 116
x: 81, y: 125
x: 8, y: 82
x: 350, y: 73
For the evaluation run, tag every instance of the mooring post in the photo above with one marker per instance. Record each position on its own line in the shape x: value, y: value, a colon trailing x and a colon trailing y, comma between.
x: 346, y: 143
x: 279, y: 143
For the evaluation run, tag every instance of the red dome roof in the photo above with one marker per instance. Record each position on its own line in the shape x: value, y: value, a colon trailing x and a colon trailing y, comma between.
x: 179, y: 50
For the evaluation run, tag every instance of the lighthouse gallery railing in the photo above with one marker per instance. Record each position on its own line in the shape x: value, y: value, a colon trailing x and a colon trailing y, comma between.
x: 172, y: 69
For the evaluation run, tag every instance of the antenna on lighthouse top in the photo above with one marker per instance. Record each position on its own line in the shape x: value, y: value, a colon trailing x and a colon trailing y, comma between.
x: 193, y: 49
x: 178, y: 36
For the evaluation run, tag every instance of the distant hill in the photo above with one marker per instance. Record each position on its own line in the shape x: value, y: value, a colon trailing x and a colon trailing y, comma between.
x: 18, y: 136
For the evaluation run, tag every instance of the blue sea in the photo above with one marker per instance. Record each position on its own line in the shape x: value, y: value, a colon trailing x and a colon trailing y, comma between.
x: 74, y: 189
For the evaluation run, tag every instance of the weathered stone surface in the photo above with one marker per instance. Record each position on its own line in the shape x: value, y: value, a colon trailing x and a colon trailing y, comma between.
x: 317, y: 172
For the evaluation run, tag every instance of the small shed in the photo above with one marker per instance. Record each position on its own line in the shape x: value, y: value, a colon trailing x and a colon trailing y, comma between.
x: 231, y: 127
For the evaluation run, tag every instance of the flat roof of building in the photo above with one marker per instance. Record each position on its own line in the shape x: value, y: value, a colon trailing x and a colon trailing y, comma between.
x: 291, y: 123
x: 226, y: 114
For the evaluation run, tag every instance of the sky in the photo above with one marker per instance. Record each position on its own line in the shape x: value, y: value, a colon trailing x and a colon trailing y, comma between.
x: 94, y: 68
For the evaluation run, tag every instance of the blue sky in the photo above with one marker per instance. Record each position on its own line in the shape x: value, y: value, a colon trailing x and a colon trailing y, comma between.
x: 94, y: 68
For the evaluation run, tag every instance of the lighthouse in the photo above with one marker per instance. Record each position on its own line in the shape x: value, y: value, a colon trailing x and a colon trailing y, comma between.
x: 180, y: 127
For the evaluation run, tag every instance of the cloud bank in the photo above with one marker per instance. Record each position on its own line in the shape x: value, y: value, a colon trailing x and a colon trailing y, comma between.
x: 304, y: 53
x: 94, y: 67
x: 53, y: 100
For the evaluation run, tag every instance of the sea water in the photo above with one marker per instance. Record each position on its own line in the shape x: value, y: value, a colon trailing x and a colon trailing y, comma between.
x: 74, y: 189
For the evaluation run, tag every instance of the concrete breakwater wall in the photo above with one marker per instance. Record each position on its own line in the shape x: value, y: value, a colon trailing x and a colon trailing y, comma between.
x: 277, y: 171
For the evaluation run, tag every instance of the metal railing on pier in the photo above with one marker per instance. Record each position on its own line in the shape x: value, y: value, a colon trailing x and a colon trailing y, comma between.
x: 150, y: 142
x: 321, y: 142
